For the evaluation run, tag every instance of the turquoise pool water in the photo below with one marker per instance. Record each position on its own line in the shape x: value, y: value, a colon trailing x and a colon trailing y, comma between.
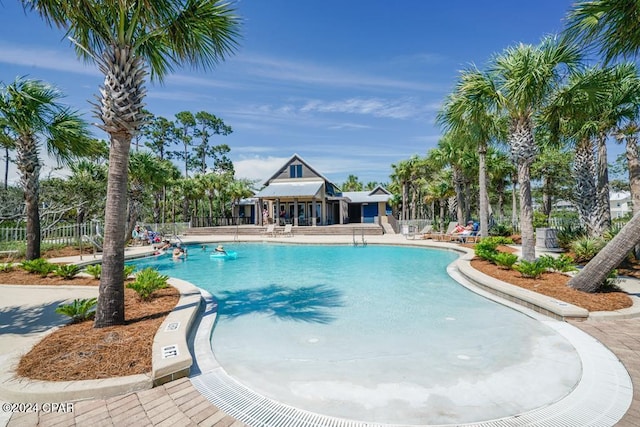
x: 373, y: 333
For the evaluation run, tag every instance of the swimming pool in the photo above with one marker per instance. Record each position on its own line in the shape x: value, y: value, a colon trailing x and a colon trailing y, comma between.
x: 376, y: 334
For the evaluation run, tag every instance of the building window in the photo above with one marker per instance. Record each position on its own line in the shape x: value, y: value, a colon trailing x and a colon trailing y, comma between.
x: 295, y: 171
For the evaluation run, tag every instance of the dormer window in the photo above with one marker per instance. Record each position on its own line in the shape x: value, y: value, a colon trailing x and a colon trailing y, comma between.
x: 295, y: 171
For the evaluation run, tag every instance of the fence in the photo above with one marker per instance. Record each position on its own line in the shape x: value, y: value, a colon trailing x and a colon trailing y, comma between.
x: 60, y: 234
x: 70, y: 234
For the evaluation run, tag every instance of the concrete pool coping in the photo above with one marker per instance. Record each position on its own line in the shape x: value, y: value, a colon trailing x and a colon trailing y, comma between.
x: 202, y: 365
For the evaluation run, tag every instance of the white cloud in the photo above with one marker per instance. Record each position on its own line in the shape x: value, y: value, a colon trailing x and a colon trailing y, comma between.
x: 260, y: 168
x: 377, y: 107
x: 58, y: 60
x: 309, y: 73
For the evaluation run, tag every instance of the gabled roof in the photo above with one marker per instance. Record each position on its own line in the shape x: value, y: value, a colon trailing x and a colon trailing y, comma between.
x: 293, y: 158
x: 291, y: 189
x: 378, y: 194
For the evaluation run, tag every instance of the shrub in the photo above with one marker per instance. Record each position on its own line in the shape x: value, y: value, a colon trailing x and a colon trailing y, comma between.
x: 7, y: 267
x: 500, y: 230
x: 128, y: 270
x: 95, y: 270
x: 568, y: 234
x: 540, y: 220
x: 80, y: 310
x: 487, y: 248
x: 562, y: 264
x: 505, y: 260
x: 586, y: 248
x: 147, y: 282
x: 528, y: 269
x: 68, y: 271
x: 39, y: 266
x: 611, y: 282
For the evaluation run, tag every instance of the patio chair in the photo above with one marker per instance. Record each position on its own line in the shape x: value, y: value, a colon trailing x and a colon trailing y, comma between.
x: 447, y: 235
x: 288, y: 230
x: 474, y: 237
x: 270, y: 231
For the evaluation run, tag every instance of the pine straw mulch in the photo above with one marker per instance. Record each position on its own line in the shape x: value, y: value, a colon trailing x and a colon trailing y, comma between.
x: 79, y: 352
x: 555, y: 285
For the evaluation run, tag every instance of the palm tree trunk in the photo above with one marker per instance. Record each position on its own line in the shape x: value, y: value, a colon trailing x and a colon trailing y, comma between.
x: 523, y: 149
x: 546, y: 196
x: 526, y: 213
x: 110, y: 309
x: 604, y: 208
x: 514, y: 202
x: 404, y: 201
x: 585, y: 188
x: 483, y: 203
x: 633, y: 163
x: 6, y: 168
x: 457, y: 182
x: 29, y: 166
x: 594, y: 274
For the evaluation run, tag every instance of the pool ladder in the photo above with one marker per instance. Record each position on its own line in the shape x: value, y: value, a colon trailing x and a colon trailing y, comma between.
x: 355, y: 242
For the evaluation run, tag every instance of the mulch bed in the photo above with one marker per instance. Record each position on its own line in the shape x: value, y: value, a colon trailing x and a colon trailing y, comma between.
x: 555, y: 285
x: 80, y: 352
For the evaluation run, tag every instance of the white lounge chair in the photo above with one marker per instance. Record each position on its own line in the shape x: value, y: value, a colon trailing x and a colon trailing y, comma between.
x: 288, y: 230
x: 270, y: 231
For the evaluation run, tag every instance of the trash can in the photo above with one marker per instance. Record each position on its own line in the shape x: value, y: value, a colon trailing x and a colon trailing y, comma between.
x: 547, y: 238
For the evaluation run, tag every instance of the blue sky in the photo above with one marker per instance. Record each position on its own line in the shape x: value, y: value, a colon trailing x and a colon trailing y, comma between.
x: 351, y: 85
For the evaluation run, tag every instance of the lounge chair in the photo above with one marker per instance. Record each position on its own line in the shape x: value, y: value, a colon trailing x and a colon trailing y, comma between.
x: 270, y: 231
x: 447, y: 235
x: 474, y: 237
x: 288, y: 230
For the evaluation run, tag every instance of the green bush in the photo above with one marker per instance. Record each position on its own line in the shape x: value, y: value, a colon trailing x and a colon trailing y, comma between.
x: 7, y: 267
x: 39, y: 266
x: 501, y: 230
x: 528, y: 269
x: 586, y: 248
x: 486, y: 254
x: 95, y: 270
x: 611, y: 282
x: 80, y: 310
x: 568, y: 234
x: 562, y: 264
x: 147, y: 282
x: 505, y: 260
x: 540, y: 220
x: 487, y: 248
x: 128, y: 270
x: 68, y: 271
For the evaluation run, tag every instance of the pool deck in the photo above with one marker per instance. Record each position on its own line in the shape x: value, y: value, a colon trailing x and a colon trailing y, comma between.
x: 179, y: 403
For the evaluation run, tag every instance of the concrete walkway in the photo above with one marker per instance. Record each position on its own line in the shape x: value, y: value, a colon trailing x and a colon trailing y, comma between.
x: 179, y: 403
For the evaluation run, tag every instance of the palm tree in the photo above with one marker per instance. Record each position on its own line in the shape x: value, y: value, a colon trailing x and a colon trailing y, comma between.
x: 401, y: 174
x: 88, y: 182
x: 125, y: 38
x: 610, y: 26
x: 613, y: 27
x: 31, y: 110
x: 352, y: 184
x: 7, y: 143
x: 454, y: 150
x: 524, y: 77
x: 147, y: 176
x: 440, y: 190
x: 469, y: 110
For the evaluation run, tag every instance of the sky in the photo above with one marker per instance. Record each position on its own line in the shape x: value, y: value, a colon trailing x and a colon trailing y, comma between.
x: 352, y: 86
